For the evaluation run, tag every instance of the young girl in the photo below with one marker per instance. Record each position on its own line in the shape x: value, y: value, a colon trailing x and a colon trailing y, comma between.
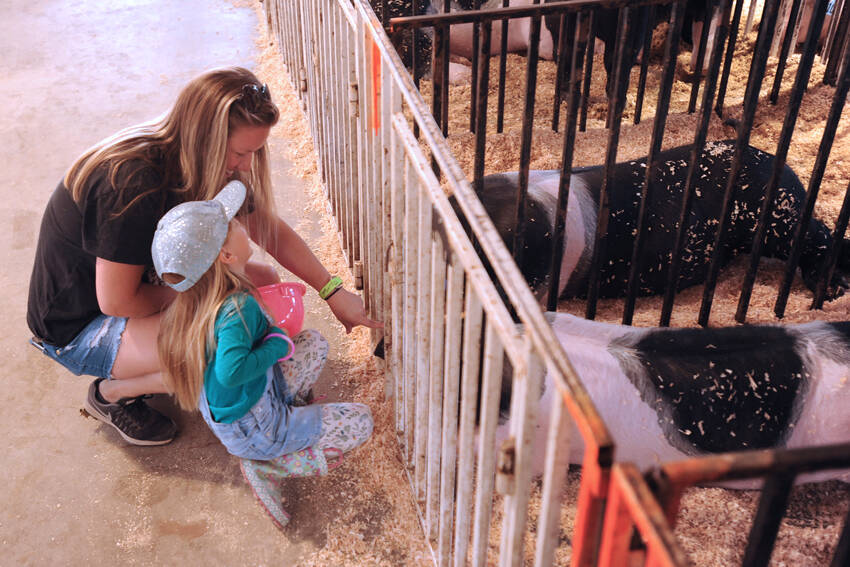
x: 219, y: 352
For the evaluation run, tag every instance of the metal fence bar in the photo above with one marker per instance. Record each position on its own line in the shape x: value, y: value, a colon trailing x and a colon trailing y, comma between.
x: 411, y: 292
x: 554, y: 476
x: 330, y: 72
x: 503, y: 62
x: 376, y: 146
x: 435, y: 398
x: 644, y: 63
x: 842, y: 549
x: 476, y: 58
x: 472, y: 333
x: 588, y: 68
x: 772, y: 506
x: 352, y: 203
x: 319, y: 91
x: 423, y: 347
x: 451, y: 389
x: 311, y: 87
x: 395, y: 337
x: 362, y: 55
x: 339, y: 96
x: 480, y: 102
x: 485, y: 480
x: 523, y: 422
x: 525, y: 144
x: 391, y: 104
x: 567, y: 30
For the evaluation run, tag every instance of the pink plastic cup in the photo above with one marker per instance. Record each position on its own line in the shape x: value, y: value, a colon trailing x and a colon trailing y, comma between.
x: 286, y: 305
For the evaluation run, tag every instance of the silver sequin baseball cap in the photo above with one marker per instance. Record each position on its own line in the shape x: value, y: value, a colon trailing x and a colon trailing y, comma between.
x: 189, y: 237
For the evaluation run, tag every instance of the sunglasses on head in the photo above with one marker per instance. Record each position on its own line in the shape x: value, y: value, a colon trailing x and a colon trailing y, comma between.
x: 254, y: 95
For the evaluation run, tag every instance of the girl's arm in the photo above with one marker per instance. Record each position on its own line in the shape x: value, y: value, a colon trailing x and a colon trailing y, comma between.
x: 237, y: 361
x: 293, y: 254
x: 121, y: 292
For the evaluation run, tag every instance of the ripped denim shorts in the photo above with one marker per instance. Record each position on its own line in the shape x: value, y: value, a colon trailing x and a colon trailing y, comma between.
x: 93, y: 350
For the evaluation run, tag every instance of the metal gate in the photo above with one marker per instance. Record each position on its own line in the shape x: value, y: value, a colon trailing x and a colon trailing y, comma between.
x: 448, y: 332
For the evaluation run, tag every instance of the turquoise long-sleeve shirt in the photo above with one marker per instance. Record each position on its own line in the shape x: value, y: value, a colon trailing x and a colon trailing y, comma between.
x: 235, y: 376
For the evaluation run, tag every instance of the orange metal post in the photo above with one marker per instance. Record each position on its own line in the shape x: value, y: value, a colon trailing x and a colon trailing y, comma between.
x: 590, y: 507
x: 375, y: 55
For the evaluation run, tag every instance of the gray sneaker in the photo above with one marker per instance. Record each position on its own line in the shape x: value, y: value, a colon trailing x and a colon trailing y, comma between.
x: 135, y: 420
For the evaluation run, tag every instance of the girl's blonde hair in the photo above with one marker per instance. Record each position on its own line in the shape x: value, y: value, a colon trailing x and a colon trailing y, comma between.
x: 188, y: 144
x: 186, y: 338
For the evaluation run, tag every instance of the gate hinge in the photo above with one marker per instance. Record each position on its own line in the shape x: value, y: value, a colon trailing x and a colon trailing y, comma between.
x: 354, y: 99
x: 505, y: 467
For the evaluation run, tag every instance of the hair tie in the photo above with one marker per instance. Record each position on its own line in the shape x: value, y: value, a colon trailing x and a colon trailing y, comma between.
x: 287, y: 339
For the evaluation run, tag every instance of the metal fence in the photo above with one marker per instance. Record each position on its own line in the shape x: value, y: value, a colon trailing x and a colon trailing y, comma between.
x: 451, y: 295
x: 448, y: 331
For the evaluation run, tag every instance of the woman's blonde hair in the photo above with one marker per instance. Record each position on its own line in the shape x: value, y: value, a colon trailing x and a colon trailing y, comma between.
x: 186, y: 338
x: 189, y: 144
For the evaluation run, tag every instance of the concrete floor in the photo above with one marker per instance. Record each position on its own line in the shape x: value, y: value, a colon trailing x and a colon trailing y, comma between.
x: 74, y: 493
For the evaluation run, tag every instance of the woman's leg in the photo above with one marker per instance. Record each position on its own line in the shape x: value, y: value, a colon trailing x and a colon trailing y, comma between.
x: 136, y: 370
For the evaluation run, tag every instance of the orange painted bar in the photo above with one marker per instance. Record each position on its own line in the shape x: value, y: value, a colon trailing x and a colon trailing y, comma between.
x: 375, y: 53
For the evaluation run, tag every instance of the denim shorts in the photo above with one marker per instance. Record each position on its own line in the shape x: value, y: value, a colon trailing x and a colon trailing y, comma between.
x: 92, y: 351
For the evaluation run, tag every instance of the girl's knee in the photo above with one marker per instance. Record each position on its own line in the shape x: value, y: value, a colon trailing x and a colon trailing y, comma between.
x: 312, y: 340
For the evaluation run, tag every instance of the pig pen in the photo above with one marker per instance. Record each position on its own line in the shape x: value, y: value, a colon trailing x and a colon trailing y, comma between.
x: 713, y: 523
x: 787, y: 550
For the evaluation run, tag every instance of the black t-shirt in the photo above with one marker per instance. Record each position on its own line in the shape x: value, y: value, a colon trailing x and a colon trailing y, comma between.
x: 114, y: 225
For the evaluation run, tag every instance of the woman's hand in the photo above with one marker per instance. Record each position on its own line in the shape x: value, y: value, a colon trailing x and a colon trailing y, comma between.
x: 349, y: 309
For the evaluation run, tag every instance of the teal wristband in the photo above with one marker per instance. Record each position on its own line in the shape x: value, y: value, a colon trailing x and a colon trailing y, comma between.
x: 334, y: 284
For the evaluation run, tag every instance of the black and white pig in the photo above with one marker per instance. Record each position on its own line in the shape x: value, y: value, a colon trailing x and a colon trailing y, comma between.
x: 667, y: 394
x: 499, y: 191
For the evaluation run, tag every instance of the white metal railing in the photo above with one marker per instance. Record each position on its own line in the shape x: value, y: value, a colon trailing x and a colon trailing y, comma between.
x: 447, y: 329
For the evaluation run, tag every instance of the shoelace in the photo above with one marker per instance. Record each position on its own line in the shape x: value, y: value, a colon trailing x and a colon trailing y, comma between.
x: 136, y: 412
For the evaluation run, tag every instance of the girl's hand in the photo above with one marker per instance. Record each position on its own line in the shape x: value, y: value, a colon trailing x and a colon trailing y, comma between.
x: 349, y: 309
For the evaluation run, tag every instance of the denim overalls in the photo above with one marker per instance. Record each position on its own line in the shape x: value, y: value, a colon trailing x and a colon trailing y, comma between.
x: 272, y: 427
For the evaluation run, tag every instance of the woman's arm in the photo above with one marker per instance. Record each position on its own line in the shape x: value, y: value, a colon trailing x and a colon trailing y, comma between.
x: 293, y: 254
x: 121, y: 292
